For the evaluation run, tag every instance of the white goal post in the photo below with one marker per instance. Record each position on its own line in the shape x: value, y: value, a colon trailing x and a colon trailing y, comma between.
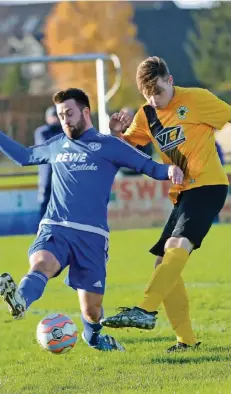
x: 99, y: 58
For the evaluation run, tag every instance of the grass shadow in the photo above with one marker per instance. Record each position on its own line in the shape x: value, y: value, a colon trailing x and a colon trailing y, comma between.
x: 219, y: 349
x: 175, y: 359
x: 136, y: 340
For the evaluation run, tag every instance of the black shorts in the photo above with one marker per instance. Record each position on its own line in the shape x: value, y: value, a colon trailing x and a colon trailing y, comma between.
x: 192, y: 215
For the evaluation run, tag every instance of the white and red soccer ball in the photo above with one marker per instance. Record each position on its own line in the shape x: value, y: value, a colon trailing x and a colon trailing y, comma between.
x: 57, y: 333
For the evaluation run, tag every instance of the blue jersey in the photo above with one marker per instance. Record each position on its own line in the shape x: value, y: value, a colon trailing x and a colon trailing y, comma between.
x: 41, y: 135
x: 83, y: 172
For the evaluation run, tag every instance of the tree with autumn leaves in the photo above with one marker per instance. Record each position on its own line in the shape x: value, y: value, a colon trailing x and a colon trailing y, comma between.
x: 209, y: 48
x: 90, y: 26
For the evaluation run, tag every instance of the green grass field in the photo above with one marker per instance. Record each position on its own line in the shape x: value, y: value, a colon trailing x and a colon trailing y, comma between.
x: 145, y: 367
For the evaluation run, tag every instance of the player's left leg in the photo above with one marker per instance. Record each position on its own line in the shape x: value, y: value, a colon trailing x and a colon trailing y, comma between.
x: 92, y: 311
x: 87, y: 274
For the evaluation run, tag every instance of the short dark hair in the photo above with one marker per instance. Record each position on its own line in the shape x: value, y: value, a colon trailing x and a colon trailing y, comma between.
x: 78, y: 95
x: 148, y: 72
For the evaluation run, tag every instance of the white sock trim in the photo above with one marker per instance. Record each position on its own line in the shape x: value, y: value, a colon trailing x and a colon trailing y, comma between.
x: 39, y: 276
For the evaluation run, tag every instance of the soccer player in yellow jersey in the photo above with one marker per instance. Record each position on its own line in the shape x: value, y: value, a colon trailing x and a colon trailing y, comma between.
x: 181, y: 123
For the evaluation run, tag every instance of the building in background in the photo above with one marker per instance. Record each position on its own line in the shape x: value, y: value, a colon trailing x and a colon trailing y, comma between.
x: 156, y: 22
x: 162, y: 27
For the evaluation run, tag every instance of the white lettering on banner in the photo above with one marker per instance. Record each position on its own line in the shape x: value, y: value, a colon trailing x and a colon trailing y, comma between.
x: 71, y: 157
x: 140, y: 202
x: 83, y: 167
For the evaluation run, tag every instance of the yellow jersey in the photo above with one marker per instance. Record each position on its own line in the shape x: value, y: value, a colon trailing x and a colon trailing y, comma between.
x: 183, y: 134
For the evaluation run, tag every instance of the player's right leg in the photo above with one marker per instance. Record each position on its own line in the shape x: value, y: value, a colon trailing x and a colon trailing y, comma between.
x: 8, y: 292
x: 44, y: 264
x: 176, y: 306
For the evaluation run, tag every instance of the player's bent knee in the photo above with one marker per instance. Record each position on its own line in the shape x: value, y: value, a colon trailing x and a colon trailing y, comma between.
x: 45, y: 262
x: 91, y: 305
x: 92, y: 313
x: 182, y: 242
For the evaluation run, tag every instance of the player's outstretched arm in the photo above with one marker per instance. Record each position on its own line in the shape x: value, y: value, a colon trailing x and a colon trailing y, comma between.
x: 21, y: 155
x: 163, y: 172
x: 124, y: 155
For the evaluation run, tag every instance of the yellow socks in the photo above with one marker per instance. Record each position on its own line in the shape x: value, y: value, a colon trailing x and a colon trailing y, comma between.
x: 164, y: 278
x: 177, y: 309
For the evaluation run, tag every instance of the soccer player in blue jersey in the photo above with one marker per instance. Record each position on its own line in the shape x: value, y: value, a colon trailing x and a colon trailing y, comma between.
x: 74, y: 230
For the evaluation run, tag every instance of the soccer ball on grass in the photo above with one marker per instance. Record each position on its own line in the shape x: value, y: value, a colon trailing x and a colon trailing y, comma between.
x: 57, y: 333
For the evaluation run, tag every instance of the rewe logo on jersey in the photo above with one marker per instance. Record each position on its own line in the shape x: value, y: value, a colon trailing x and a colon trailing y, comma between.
x: 78, y: 161
x: 170, y: 137
x: 71, y: 157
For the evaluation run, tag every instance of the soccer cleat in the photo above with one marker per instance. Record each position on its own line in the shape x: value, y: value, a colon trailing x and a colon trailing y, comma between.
x: 15, y: 302
x: 182, y: 347
x: 131, y: 317
x: 106, y: 343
